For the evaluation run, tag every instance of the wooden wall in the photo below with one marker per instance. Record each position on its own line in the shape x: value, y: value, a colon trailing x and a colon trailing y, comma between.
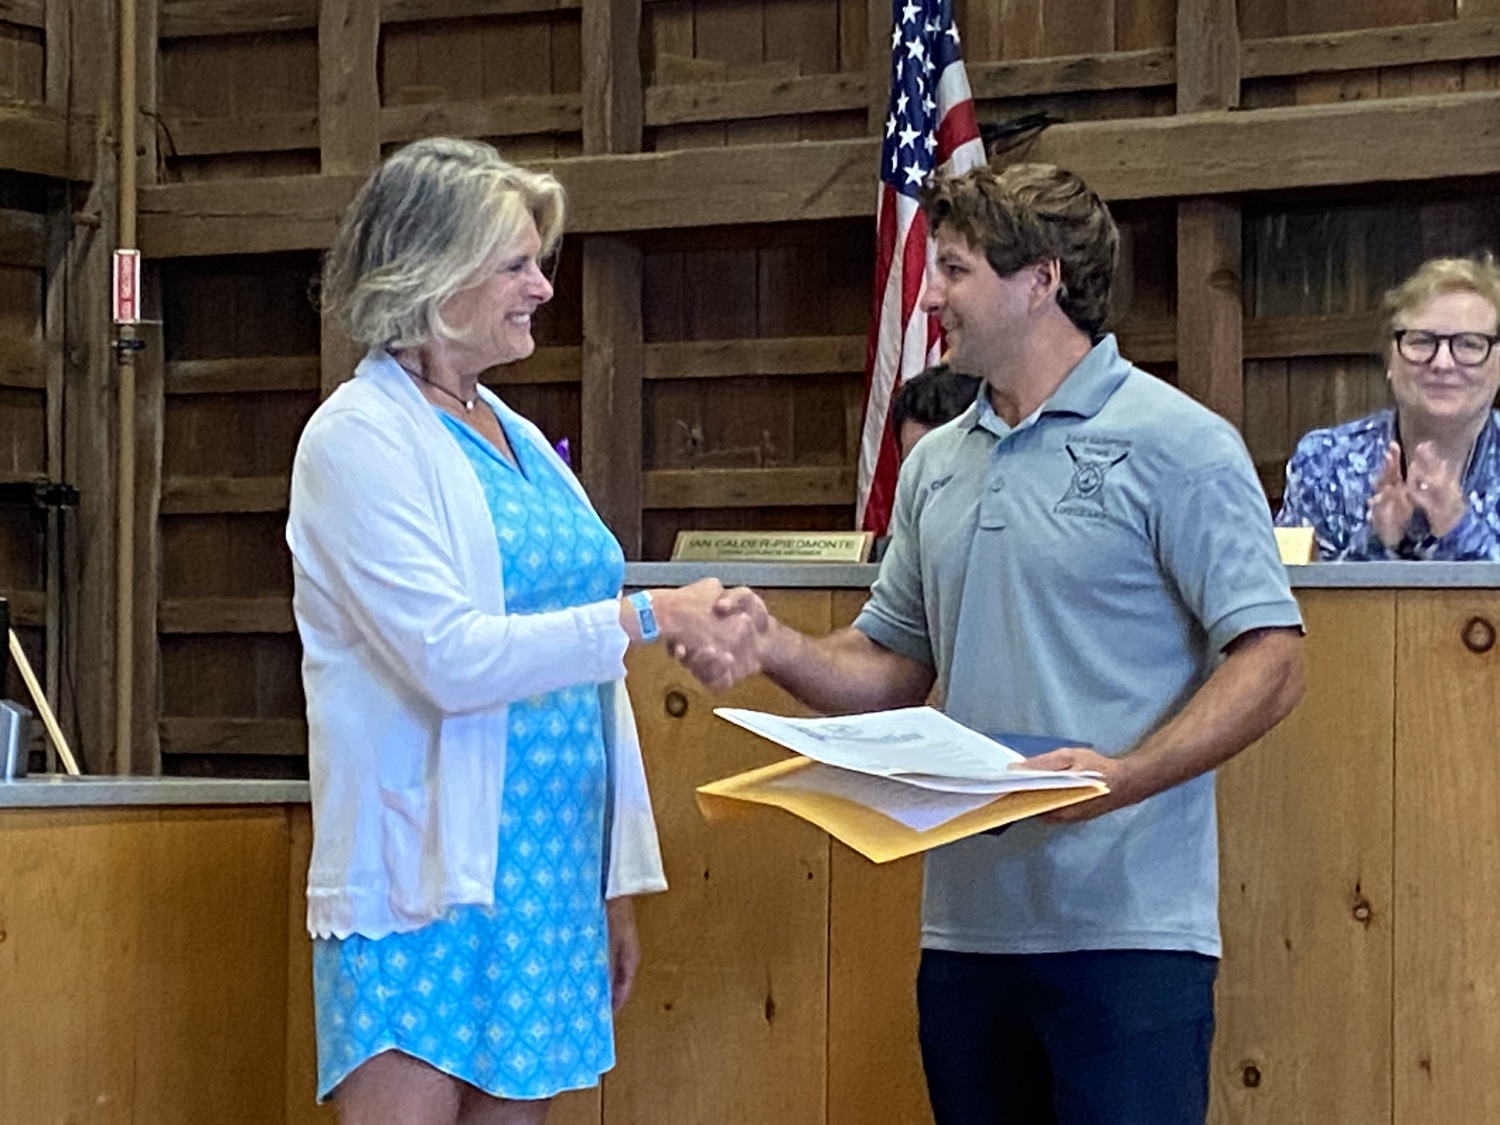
x: 55, y: 231
x: 704, y: 353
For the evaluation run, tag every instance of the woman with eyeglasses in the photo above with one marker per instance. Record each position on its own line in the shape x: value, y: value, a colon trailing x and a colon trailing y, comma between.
x: 1422, y: 480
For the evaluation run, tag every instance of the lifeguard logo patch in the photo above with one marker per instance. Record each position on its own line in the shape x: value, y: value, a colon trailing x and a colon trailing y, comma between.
x: 1093, y: 458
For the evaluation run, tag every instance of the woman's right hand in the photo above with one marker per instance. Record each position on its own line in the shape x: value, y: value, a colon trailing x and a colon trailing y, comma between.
x: 1391, y: 506
x: 719, y: 650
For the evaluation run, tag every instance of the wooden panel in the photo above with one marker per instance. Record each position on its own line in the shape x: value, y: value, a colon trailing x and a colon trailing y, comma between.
x: 24, y: 13
x: 227, y: 615
x: 874, y: 935
x: 188, y: 495
x: 1447, y: 909
x: 142, y: 945
x: 226, y: 376
x: 23, y: 239
x: 1143, y: 24
x: 754, y: 97
x: 187, y: 18
x: 348, y: 90
x: 613, y: 363
x: 511, y: 115
x: 747, y: 488
x: 1359, y: 50
x: 1191, y: 154
x: 612, y: 116
x: 90, y: 374
x: 729, y: 1025
x: 1307, y: 905
x: 301, y: 1042
x: 1072, y: 27
x: 44, y: 141
x: 23, y: 364
x: 1118, y: 70
x: 27, y: 608
x: 276, y: 737
x: 706, y: 359
x: 1210, y: 333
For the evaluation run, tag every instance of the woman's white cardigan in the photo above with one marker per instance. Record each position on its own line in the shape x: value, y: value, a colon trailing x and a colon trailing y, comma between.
x: 410, y: 661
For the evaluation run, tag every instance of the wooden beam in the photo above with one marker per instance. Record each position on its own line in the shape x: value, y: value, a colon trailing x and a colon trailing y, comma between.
x: 23, y: 364
x: 748, y: 488
x: 183, y: 19
x: 150, y: 427
x: 686, y: 359
x: 510, y: 116
x: 206, y: 495
x: 1151, y: 341
x: 559, y: 363
x: 1208, y: 56
x: 1210, y: 311
x: 88, y: 408
x: 1116, y: 70
x: 285, y: 738
x: 750, y: 98
x: 1338, y: 144
x: 612, y: 113
x: 23, y: 239
x: 249, y: 132
x: 28, y: 608
x: 1297, y: 337
x: 24, y: 13
x: 1409, y: 45
x: 1343, y: 143
x: 712, y: 359
x: 45, y: 141
x: 613, y: 365
x: 349, y: 125
x: 227, y: 615
x: 239, y: 376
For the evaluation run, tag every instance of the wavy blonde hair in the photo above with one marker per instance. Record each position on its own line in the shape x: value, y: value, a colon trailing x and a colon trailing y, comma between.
x: 1434, y: 277
x: 419, y: 231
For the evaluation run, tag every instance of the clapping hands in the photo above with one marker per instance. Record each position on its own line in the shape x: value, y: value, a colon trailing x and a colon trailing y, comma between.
x: 715, y: 633
x: 1431, y: 485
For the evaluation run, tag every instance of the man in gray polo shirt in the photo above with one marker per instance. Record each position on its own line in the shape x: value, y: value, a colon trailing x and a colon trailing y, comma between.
x: 1084, y: 553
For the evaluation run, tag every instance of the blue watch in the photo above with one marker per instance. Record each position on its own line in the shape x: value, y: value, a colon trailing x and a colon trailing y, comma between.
x: 641, y: 600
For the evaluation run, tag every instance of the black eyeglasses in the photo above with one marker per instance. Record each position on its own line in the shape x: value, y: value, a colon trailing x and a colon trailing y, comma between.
x: 1468, y: 349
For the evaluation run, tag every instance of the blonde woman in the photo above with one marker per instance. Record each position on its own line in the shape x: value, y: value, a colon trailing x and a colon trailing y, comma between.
x: 1420, y: 480
x: 479, y: 803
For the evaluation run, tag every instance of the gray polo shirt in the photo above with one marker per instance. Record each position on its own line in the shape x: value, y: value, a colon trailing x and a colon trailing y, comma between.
x: 1078, y: 575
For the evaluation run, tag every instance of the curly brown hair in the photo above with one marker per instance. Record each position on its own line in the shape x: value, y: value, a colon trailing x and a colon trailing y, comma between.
x: 1029, y: 213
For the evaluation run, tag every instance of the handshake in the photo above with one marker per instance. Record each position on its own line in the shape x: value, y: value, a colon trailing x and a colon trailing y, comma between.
x: 721, y: 636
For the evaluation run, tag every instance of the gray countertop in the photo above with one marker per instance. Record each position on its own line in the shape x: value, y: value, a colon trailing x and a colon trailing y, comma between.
x: 119, y: 792
x: 1366, y: 575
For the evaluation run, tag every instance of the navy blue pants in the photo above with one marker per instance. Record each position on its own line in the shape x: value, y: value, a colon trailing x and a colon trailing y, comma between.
x: 1106, y: 1037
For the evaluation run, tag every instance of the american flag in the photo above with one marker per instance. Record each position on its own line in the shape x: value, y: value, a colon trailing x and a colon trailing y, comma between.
x: 930, y: 124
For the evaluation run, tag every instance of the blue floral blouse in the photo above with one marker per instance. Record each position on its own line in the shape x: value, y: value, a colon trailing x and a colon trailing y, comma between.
x: 1328, y: 485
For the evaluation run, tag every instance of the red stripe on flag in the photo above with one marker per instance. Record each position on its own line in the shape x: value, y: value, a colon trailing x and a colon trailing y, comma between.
x: 958, y: 125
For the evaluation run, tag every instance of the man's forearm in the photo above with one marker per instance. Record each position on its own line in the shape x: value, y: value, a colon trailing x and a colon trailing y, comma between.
x: 842, y: 673
x: 1257, y: 685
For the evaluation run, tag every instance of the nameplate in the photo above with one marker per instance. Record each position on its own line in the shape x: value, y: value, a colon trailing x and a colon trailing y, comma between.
x: 773, y: 546
x: 1295, y: 545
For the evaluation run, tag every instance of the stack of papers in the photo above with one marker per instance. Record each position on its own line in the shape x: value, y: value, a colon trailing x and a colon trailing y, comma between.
x: 892, y: 783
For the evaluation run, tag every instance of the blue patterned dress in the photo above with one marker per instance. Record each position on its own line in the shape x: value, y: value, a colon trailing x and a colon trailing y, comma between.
x: 1328, y: 486
x: 516, y: 999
